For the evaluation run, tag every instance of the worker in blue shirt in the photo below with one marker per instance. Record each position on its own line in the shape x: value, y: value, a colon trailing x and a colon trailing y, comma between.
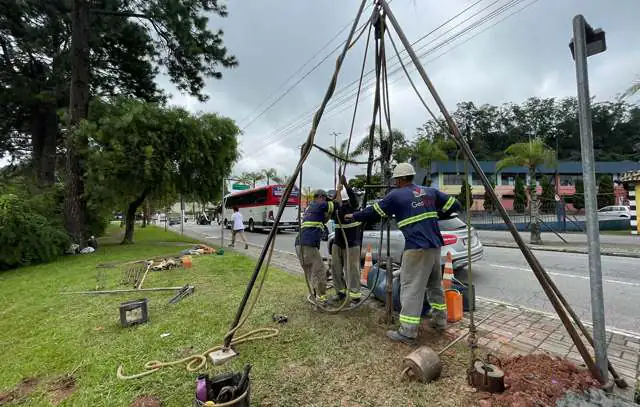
x: 416, y: 213
x: 308, y: 240
x: 346, y: 277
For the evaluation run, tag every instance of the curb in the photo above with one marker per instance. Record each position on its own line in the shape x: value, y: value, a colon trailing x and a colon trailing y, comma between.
x: 561, y: 250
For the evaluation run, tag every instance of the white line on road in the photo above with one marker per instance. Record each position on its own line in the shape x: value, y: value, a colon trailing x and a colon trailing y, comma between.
x: 553, y: 273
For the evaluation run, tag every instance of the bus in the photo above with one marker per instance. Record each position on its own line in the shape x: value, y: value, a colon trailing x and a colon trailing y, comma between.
x: 259, y: 207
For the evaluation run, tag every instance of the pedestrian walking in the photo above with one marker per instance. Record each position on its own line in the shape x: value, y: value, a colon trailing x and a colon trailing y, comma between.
x: 415, y: 209
x: 238, y: 228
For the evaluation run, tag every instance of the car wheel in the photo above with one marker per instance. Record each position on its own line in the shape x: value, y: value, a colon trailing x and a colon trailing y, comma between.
x: 252, y: 228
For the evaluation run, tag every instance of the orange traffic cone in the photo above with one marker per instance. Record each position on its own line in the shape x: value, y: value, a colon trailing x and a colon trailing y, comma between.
x: 447, y: 277
x: 368, y: 263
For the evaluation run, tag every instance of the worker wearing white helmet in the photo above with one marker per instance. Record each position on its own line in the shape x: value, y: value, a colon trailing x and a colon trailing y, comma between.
x: 416, y: 213
x: 346, y: 274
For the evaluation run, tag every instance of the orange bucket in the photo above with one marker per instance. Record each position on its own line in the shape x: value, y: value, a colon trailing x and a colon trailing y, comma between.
x: 186, y: 262
x: 455, y: 310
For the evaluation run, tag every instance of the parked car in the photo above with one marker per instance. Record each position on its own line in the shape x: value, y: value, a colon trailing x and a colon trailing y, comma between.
x: 615, y: 212
x: 454, y: 234
x: 174, y: 220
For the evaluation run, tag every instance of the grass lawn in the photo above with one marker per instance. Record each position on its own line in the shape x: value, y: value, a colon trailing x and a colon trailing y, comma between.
x: 317, y: 359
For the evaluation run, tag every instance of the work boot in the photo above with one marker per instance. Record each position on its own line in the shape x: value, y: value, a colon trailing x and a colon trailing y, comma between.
x: 322, y: 300
x: 246, y: 246
x: 356, y: 296
x: 438, y: 320
x: 406, y: 334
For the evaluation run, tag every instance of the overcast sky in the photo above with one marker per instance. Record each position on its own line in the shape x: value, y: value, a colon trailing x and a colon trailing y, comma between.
x: 525, y: 55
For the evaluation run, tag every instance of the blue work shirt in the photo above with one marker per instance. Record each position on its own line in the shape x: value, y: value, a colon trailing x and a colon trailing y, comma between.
x: 416, y: 211
x: 313, y: 220
x: 352, y: 228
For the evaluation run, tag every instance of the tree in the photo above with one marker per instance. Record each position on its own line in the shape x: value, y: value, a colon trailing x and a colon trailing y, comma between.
x: 531, y: 155
x: 341, y: 152
x: 158, y: 151
x: 488, y: 202
x: 270, y: 174
x: 606, y: 195
x: 548, y: 196
x: 462, y: 196
x: 427, y: 151
x: 520, y: 196
x: 577, y: 200
x: 632, y: 90
x: 381, y: 139
x: 250, y: 178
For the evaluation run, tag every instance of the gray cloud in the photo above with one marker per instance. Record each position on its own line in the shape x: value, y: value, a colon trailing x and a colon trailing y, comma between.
x: 526, y: 55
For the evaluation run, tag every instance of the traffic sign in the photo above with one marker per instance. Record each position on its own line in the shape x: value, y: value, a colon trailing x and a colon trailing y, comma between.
x: 239, y: 187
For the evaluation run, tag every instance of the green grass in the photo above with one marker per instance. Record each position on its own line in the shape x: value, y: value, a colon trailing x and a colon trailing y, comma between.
x: 317, y: 359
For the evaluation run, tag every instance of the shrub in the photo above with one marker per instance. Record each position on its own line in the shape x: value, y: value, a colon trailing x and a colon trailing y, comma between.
x: 26, y: 235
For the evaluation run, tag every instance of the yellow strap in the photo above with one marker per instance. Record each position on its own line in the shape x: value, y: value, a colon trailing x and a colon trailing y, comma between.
x: 417, y: 218
x: 379, y: 210
x: 347, y: 225
x: 449, y: 204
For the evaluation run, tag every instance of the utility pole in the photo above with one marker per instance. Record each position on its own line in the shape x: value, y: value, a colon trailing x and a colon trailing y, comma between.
x: 586, y: 42
x: 222, y: 225
x: 181, y: 215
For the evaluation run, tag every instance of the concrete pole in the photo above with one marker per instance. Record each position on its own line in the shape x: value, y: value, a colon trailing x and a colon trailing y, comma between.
x: 222, y: 215
x: 590, y: 195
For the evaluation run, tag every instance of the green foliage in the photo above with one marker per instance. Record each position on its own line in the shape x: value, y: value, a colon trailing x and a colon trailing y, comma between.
x: 606, y: 195
x: 547, y: 198
x: 427, y: 151
x: 359, y: 181
x: 26, y: 235
x: 532, y: 155
x: 462, y: 196
x: 578, y: 198
x: 520, y: 197
x: 488, y: 203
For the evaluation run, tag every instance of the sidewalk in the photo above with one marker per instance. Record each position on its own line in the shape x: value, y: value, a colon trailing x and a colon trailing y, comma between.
x: 510, y: 330
x: 611, y: 245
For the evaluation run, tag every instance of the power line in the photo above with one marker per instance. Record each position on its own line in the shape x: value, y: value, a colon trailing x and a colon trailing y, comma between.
x: 297, y: 124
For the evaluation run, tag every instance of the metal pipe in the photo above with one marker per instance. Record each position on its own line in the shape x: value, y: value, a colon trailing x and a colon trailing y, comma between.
x: 590, y: 194
x: 535, y: 266
x: 291, y: 183
x: 125, y: 291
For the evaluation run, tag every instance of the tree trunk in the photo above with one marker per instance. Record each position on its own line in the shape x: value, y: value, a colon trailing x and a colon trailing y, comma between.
x: 75, y: 206
x: 533, y: 210
x: 130, y: 218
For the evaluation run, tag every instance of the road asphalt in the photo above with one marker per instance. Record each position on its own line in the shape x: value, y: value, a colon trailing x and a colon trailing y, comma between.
x: 504, y: 275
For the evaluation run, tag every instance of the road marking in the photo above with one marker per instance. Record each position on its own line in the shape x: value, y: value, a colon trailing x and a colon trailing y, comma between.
x: 554, y: 273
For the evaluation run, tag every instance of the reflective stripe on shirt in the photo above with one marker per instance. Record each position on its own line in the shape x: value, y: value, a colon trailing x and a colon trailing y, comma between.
x: 347, y: 225
x: 310, y: 224
x: 449, y: 203
x: 417, y: 218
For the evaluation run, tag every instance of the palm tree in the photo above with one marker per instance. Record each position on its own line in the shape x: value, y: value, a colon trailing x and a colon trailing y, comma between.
x: 532, y: 155
x: 397, y: 138
x: 270, y: 174
x: 250, y: 178
x: 341, y: 152
x: 428, y: 151
x: 632, y: 90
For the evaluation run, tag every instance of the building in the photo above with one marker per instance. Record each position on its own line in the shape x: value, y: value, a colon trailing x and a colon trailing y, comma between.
x: 448, y: 176
x: 632, y: 179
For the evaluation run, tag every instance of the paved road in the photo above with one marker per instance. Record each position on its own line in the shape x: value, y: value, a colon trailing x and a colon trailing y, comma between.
x: 504, y: 275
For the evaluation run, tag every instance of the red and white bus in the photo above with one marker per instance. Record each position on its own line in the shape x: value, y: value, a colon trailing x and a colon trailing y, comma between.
x: 259, y: 207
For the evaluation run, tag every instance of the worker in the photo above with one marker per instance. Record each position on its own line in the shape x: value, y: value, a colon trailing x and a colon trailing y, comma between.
x: 346, y: 276
x: 416, y: 213
x: 308, y: 240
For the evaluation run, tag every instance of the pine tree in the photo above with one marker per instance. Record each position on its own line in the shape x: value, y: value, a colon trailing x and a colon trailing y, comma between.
x: 606, y: 195
x: 488, y: 203
x: 548, y: 195
x: 578, y: 198
x: 462, y: 196
x: 520, y: 200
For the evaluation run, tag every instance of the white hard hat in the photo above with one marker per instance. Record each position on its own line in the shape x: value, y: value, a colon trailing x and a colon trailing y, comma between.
x: 403, y: 170
x: 344, y: 195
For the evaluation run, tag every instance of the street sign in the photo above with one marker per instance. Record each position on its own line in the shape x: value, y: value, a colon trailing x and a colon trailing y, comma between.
x: 239, y: 187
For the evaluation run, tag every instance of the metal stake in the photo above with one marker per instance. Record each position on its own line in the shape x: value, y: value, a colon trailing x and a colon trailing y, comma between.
x: 590, y: 194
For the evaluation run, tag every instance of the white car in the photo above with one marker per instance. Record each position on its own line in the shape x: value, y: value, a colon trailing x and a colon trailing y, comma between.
x: 615, y: 212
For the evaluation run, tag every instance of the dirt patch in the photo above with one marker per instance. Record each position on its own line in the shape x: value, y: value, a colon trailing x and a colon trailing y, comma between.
x: 146, y: 401
x: 60, y: 389
x: 538, y: 380
x: 20, y: 392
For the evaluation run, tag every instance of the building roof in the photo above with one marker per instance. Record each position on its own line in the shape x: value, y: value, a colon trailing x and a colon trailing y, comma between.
x: 564, y: 167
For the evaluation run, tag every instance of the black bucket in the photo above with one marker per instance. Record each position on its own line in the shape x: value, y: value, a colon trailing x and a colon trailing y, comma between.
x: 237, y: 390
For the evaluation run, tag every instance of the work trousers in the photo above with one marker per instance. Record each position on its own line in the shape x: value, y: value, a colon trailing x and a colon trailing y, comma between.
x: 314, y: 270
x: 238, y: 232
x: 346, y: 276
x: 420, y: 271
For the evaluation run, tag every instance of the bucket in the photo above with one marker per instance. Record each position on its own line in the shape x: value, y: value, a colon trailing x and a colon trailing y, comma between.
x: 209, y: 389
x: 467, y: 301
x: 453, y: 299
x: 186, y: 262
x: 380, y: 290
